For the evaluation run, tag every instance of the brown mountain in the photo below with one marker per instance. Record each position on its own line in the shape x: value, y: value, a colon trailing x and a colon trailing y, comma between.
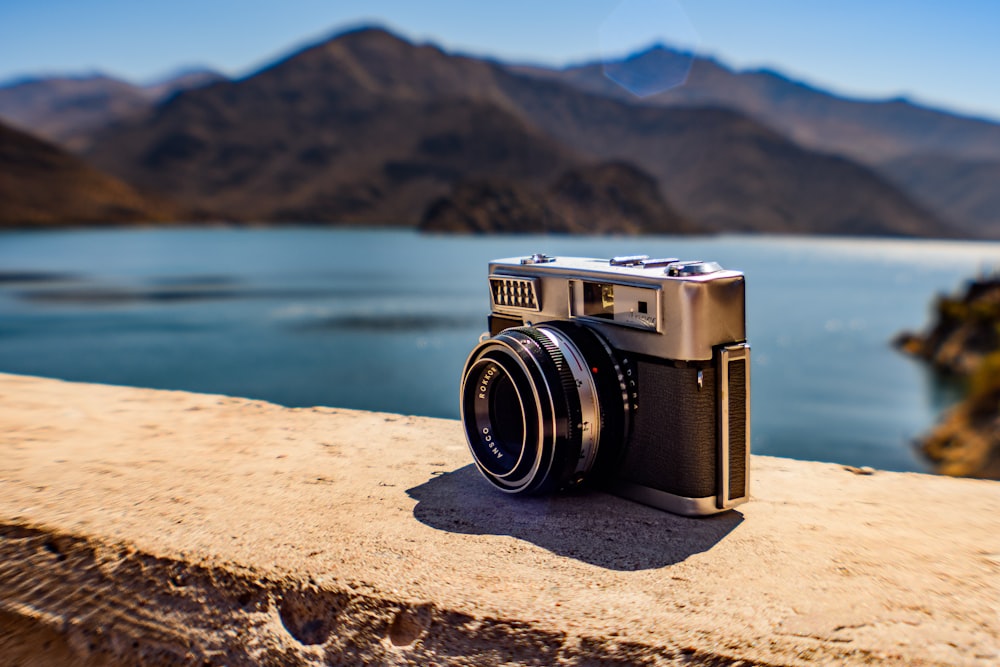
x: 368, y: 127
x: 42, y: 185
x: 728, y: 172
x: 65, y: 110
x: 365, y: 128
x: 381, y: 164
x: 966, y: 191
x: 944, y: 161
x: 869, y: 131
x: 184, y: 78
x: 609, y: 198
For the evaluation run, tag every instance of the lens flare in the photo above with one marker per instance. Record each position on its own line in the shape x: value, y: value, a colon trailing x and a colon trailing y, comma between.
x: 647, y: 46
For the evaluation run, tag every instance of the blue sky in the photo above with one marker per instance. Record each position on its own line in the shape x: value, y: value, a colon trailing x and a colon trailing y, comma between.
x: 941, y: 53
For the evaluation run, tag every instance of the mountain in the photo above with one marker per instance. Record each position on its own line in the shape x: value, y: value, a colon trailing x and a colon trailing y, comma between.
x: 65, y: 109
x: 182, y: 79
x: 728, y: 172
x: 964, y: 190
x: 59, y: 108
x: 43, y: 185
x: 380, y: 165
x: 366, y: 127
x: 945, y: 162
x: 608, y: 198
x: 869, y: 131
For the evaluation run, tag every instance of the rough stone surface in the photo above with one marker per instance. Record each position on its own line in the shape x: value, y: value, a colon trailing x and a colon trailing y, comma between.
x: 160, y: 528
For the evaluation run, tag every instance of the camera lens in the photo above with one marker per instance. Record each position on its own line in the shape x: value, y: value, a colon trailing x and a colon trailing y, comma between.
x: 506, y: 415
x: 500, y: 419
x: 544, y: 407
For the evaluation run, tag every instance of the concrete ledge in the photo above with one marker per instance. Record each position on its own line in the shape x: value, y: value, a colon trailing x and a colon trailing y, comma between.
x: 152, y: 527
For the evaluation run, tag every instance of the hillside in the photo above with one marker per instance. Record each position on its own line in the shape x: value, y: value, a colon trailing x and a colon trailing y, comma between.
x: 944, y: 161
x: 65, y: 110
x: 367, y: 127
x: 42, y: 185
x: 727, y: 172
x: 964, y: 190
x: 608, y: 198
x: 869, y: 131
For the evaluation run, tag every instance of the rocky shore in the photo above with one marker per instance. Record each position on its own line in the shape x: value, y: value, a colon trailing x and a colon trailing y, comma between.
x: 963, y: 341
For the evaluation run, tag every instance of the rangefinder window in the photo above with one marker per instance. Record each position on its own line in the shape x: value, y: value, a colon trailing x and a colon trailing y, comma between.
x: 599, y: 300
x: 624, y: 305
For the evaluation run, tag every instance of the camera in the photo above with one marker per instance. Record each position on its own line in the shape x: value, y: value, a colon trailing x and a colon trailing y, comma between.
x: 630, y: 374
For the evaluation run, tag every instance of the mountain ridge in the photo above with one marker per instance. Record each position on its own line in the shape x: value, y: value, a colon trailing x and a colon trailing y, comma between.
x: 872, y: 131
x: 43, y: 185
x: 374, y: 110
x: 66, y: 109
x: 965, y: 190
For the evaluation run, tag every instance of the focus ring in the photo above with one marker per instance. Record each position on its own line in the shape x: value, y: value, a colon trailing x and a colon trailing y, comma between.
x: 561, y: 364
x: 613, y: 374
x: 568, y: 437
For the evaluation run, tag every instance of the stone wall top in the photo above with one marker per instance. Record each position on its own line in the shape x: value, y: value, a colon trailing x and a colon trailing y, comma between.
x: 142, y: 526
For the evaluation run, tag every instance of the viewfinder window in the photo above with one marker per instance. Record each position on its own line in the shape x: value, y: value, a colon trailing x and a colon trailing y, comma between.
x: 599, y: 300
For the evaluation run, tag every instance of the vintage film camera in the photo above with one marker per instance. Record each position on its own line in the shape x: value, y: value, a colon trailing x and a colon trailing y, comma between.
x: 630, y: 374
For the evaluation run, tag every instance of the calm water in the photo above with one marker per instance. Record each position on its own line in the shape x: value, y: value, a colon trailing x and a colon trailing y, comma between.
x: 384, y: 320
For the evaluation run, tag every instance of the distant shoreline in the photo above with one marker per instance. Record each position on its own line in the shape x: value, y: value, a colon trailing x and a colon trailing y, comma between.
x: 327, y: 226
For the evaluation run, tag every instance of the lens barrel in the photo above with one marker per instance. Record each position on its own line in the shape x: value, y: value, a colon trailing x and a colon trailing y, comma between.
x: 544, y: 407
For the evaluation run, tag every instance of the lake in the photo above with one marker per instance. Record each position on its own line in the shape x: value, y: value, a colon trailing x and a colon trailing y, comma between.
x: 383, y: 320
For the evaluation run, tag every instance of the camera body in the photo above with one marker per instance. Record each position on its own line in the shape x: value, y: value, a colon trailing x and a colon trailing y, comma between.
x: 630, y: 374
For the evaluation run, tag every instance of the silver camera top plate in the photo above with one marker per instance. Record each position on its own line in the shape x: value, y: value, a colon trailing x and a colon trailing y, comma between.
x: 662, y: 307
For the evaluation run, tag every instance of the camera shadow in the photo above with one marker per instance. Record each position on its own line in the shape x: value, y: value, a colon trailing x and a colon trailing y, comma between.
x: 596, y: 528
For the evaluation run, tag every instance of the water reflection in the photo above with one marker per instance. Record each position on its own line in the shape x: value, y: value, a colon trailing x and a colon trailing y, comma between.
x: 384, y: 321
x: 103, y: 295
x: 391, y: 322
x: 28, y: 276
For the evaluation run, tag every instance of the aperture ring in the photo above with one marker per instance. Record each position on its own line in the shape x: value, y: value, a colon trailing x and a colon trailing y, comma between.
x: 615, y: 378
x: 578, y: 436
x: 561, y: 365
x: 589, y: 427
